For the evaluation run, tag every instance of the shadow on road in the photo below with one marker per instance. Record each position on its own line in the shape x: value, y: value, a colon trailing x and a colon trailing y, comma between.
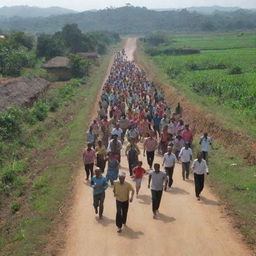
x: 207, y: 201
x: 144, y: 199
x: 165, y: 218
x: 175, y: 190
x: 105, y: 221
x: 130, y: 233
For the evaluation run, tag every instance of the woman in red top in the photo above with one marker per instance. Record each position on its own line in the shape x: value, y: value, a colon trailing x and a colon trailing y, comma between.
x: 138, y: 174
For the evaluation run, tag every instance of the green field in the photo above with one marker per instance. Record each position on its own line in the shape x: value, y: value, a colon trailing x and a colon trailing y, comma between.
x: 224, y: 72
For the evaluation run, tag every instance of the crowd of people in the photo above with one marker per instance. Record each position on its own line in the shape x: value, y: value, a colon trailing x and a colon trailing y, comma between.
x: 133, y: 114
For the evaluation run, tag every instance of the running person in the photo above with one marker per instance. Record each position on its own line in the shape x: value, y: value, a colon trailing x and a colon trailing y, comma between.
x: 99, y: 184
x: 159, y: 182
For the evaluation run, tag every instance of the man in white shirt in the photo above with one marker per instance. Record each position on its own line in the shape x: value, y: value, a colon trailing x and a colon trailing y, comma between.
x: 206, y: 143
x: 199, y: 168
x: 185, y: 156
x: 159, y: 181
x: 169, y: 160
x: 117, y: 131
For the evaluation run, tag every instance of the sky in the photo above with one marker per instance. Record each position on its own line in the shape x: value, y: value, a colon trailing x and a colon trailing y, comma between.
x: 82, y: 5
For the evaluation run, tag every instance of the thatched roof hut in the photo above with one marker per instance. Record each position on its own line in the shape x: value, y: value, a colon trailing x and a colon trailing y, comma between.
x: 93, y: 56
x: 57, y: 62
x: 21, y: 91
x: 59, y: 67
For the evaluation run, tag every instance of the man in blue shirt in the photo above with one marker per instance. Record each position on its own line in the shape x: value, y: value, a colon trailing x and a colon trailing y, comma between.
x: 157, y: 120
x: 99, y: 184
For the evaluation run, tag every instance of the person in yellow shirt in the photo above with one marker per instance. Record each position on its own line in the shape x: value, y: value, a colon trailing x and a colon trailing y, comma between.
x: 122, y: 191
x: 101, y: 154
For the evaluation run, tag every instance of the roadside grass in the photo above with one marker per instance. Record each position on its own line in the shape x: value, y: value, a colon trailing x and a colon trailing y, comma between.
x: 235, y: 183
x: 55, y: 154
x: 231, y: 177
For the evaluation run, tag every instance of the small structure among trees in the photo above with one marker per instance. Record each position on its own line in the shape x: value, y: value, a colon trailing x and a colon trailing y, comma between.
x: 59, y: 67
x: 91, y: 56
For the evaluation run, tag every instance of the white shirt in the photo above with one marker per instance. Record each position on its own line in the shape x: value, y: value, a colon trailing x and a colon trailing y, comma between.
x: 200, y: 168
x: 157, y: 180
x: 169, y: 160
x: 205, y: 143
x: 172, y: 128
x: 185, y: 155
x: 117, y: 132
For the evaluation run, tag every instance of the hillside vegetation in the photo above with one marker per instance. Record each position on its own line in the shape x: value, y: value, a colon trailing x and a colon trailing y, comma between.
x: 28, y: 11
x: 129, y: 19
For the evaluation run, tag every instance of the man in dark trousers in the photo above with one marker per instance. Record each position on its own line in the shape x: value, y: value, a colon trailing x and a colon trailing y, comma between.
x: 159, y: 181
x: 99, y: 184
x: 169, y: 161
x: 199, y: 168
x: 122, y: 191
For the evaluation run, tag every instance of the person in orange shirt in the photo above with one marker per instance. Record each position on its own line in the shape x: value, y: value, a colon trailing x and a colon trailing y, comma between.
x: 138, y: 175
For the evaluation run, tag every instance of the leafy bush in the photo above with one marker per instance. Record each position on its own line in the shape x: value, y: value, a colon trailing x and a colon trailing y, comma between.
x: 13, y: 60
x: 75, y: 82
x: 10, y: 124
x: 40, y: 110
x: 79, y: 67
x: 156, y: 39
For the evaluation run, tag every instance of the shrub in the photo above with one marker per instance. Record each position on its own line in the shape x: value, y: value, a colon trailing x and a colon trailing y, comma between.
x: 235, y: 70
x: 79, y: 67
x: 74, y: 82
x: 10, y: 124
x: 40, y: 110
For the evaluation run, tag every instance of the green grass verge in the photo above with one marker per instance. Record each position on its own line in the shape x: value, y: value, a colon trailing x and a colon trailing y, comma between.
x: 53, y: 183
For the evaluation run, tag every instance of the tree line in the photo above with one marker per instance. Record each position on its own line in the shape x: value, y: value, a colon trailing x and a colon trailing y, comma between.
x: 136, y: 20
x: 20, y: 50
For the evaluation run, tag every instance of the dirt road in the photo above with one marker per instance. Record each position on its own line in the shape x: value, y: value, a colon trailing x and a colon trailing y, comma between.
x: 186, y: 227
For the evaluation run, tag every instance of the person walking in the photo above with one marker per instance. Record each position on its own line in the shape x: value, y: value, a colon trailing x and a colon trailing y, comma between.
x: 101, y: 154
x: 115, y: 147
x: 187, y: 135
x: 117, y: 131
x: 185, y: 156
x: 89, y: 159
x: 150, y: 145
x: 169, y: 161
x: 159, y: 181
x: 122, y: 191
x: 91, y: 137
x: 99, y: 184
x: 132, y: 152
x: 206, y: 144
x: 138, y: 175
x: 199, y: 168
x: 178, y: 144
x: 113, y: 169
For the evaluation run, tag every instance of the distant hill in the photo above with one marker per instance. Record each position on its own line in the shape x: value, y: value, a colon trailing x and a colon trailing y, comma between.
x: 31, y: 12
x: 205, y: 9
x: 136, y: 20
x: 212, y: 9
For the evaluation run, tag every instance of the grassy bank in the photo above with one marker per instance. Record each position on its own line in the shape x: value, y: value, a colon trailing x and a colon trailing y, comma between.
x: 49, y: 168
x: 231, y: 177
